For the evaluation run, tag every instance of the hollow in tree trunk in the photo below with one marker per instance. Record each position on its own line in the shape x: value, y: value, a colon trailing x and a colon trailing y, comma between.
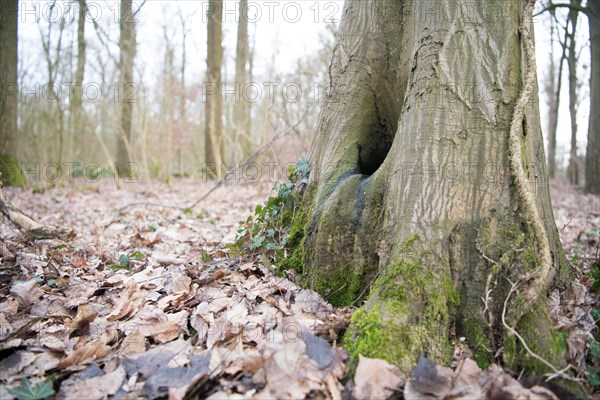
x: 428, y: 199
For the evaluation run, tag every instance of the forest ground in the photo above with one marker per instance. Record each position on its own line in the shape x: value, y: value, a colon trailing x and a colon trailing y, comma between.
x: 145, y: 302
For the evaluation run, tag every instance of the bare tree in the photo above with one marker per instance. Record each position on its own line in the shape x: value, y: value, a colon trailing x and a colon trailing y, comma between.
x: 241, y: 112
x: 77, y: 121
x: 213, y: 129
x: 10, y: 170
x: 573, y: 168
x: 127, y: 44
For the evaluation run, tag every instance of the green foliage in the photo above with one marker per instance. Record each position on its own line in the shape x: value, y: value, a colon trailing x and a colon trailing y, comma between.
x: 27, y: 391
x: 124, y: 261
x: 266, y: 230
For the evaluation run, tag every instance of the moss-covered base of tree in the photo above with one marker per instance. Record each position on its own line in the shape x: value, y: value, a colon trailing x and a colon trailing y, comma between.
x: 408, y: 313
x: 12, y: 174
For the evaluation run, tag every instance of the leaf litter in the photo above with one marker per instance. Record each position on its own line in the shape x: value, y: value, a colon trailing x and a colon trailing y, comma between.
x: 149, y: 304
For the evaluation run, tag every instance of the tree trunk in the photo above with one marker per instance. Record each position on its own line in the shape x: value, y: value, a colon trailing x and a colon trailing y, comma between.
x: 213, y: 106
x: 573, y: 168
x: 592, y: 156
x: 423, y: 196
x: 554, y: 105
x: 127, y: 44
x: 77, y: 127
x: 10, y: 170
x: 241, y: 111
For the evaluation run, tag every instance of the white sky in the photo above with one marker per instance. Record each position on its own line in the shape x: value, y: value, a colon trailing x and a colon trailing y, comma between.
x: 283, y: 31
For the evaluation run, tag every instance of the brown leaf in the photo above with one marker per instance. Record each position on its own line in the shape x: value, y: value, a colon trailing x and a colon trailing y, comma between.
x: 376, y: 379
x: 84, y: 354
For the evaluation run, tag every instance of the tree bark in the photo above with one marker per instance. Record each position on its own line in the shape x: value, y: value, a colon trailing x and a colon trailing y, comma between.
x: 554, y: 105
x: 241, y: 111
x: 10, y: 170
x: 592, y: 156
x: 77, y: 130
x: 127, y: 44
x: 573, y: 168
x: 417, y: 196
x: 213, y: 107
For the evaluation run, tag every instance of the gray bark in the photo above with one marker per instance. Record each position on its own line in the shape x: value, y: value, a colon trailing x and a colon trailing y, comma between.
x: 127, y: 44
x: 573, y: 168
x: 213, y: 106
x: 241, y: 111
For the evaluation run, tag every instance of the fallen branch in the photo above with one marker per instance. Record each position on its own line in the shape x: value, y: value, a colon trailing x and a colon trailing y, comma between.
x: 28, y: 225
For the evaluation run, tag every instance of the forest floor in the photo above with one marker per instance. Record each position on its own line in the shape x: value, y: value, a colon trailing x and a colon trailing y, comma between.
x: 147, y: 302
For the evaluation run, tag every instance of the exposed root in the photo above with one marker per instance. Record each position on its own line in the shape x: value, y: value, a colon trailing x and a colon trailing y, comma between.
x: 540, y: 278
x: 556, y: 373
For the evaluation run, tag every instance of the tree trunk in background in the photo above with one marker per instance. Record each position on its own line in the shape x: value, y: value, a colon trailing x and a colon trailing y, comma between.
x: 553, y: 107
x: 77, y: 130
x: 573, y: 168
x: 592, y: 156
x: 213, y: 107
x: 9, y: 165
x: 241, y: 111
x: 127, y: 44
x: 412, y: 196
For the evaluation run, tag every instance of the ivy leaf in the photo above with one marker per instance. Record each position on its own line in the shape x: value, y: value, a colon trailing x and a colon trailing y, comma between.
x: 27, y: 391
x: 302, y: 168
x: 593, y: 377
x: 595, y: 348
x: 257, y: 242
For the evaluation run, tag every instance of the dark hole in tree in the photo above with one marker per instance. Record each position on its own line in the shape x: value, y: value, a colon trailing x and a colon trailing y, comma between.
x: 373, y: 151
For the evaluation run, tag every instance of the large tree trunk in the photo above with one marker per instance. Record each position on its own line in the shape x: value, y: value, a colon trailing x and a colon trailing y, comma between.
x: 417, y: 195
x: 10, y: 169
x: 241, y: 111
x: 573, y: 168
x: 592, y: 156
x: 127, y: 44
x: 213, y: 130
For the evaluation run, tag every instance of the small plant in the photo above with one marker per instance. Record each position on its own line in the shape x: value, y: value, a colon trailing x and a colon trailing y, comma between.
x: 265, y: 230
x: 27, y: 391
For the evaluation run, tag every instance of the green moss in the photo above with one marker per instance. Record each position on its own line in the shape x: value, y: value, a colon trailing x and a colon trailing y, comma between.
x: 12, y: 174
x: 408, y: 313
x: 536, y: 329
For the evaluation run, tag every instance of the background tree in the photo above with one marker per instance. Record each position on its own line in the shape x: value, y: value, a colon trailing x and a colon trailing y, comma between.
x: 553, y: 90
x: 592, y: 155
x: 127, y: 87
x: 573, y: 168
x: 213, y: 129
x: 77, y: 120
x: 9, y: 164
x: 241, y: 112
x: 429, y: 194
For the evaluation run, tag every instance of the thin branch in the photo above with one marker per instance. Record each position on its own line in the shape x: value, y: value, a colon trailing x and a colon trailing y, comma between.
x: 551, y: 7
